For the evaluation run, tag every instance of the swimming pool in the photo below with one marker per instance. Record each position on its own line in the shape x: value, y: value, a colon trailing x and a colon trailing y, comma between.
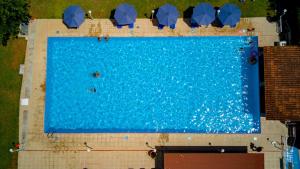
x: 152, y: 84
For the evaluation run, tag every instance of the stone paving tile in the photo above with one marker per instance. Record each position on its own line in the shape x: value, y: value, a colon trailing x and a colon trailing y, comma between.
x: 120, y: 150
x: 272, y: 160
x: 81, y: 159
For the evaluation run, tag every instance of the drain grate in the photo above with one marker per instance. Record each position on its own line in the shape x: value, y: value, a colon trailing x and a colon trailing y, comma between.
x: 24, y: 126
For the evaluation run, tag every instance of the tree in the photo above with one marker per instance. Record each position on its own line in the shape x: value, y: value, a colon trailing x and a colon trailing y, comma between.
x: 12, y: 14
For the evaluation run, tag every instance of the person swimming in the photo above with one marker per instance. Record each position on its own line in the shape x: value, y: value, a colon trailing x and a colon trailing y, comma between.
x: 241, y: 50
x: 106, y: 38
x: 252, y: 60
x: 96, y: 74
x: 93, y: 90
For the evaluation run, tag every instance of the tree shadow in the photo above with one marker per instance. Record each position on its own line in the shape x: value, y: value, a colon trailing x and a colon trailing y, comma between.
x: 154, y: 19
x: 290, y: 20
x: 217, y: 23
x: 187, y: 15
x: 261, y: 82
x: 112, y: 18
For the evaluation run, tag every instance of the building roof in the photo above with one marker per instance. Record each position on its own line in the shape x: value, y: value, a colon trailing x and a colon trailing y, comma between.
x: 213, y: 160
x: 282, y: 82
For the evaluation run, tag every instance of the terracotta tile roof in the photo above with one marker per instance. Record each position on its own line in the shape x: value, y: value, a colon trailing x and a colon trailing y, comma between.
x: 214, y: 160
x: 282, y: 82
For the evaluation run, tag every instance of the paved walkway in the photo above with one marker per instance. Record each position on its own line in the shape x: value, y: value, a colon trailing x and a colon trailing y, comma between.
x: 118, y: 151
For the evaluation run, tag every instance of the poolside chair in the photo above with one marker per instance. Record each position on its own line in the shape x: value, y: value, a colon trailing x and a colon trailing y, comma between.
x: 131, y: 26
x: 160, y: 26
x: 119, y: 26
x: 173, y: 26
x: 24, y: 101
x: 232, y: 26
x: 194, y: 25
x: 21, y: 69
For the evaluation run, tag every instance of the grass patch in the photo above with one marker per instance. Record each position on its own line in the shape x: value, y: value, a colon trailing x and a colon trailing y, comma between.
x: 103, y: 8
x: 11, y: 57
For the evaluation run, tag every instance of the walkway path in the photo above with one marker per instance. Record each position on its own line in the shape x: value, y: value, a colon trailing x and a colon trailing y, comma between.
x: 118, y: 151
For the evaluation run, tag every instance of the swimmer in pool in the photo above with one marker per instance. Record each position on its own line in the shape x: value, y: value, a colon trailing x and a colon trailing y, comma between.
x: 106, y: 38
x: 252, y: 60
x: 96, y: 74
x: 93, y: 90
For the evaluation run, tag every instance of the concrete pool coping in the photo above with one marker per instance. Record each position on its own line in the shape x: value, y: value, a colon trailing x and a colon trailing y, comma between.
x: 123, y: 150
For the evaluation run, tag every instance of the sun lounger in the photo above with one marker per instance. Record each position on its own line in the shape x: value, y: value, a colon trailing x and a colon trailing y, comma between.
x: 24, y: 101
x: 172, y: 26
x: 119, y: 26
x: 160, y: 26
x: 21, y: 69
x: 131, y: 26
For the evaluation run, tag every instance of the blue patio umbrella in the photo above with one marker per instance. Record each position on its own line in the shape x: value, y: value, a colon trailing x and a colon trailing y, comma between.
x: 229, y: 14
x: 73, y: 16
x: 125, y: 14
x: 167, y: 15
x: 203, y: 14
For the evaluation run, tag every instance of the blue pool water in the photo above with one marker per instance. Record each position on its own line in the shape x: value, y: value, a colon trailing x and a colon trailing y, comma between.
x: 152, y: 84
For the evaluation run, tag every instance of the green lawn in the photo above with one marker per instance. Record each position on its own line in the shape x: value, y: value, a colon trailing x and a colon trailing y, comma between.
x: 103, y: 8
x: 11, y: 57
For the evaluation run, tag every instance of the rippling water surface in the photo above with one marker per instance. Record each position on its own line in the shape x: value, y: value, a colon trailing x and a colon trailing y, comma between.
x: 183, y: 84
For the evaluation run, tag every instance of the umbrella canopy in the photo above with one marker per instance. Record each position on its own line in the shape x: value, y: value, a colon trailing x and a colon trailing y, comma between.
x: 229, y: 14
x: 125, y: 14
x: 167, y: 15
x: 203, y: 14
x: 73, y: 16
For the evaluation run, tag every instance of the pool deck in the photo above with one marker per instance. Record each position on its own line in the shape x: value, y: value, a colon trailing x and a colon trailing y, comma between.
x: 124, y: 150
